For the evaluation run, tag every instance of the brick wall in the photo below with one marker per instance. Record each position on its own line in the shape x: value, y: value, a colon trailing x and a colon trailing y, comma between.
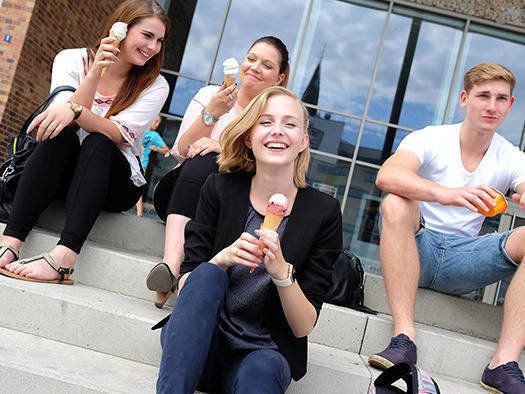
x: 14, y: 21
x: 54, y: 25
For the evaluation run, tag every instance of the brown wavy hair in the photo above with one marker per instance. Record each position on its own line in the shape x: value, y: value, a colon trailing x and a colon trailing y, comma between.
x: 139, y: 77
x: 236, y: 156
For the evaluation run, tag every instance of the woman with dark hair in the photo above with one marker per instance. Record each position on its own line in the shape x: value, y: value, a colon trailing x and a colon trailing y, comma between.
x: 249, y: 296
x: 197, y: 146
x: 89, y: 139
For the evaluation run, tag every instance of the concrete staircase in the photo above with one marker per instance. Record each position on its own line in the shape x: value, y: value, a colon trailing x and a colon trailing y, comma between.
x: 95, y: 336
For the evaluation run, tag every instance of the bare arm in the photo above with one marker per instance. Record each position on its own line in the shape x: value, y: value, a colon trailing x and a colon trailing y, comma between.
x: 219, y: 104
x: 299, y: 312
x: 398, y: 175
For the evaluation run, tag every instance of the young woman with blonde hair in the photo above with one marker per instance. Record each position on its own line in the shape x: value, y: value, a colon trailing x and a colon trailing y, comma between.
x: 249, y: 296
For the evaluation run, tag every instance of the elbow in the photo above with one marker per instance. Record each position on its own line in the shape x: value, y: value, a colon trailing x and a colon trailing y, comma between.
x: 381, y: 181
x: 302, y: 331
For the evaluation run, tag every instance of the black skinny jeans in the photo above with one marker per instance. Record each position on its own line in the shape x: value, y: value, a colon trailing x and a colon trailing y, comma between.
x: 186, y: 190
x: 91, y: 177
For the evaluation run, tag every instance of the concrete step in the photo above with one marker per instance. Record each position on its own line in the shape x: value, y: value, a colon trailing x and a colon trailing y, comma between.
x: 442, y: 310
x: 31, y: 364
x: 118, y: 325
x: 83, y: 316
x: 119, y: 230
x: 101, y: 266
x: 124, y: 272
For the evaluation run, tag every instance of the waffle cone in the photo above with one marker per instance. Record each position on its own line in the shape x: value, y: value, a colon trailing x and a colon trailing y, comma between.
x: 116, y: 44
x: 272, y: 221
x: 229, y: 79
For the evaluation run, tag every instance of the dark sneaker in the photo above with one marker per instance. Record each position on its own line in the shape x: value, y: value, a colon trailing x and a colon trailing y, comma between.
x: 400, y: 350
x: 505, y: 379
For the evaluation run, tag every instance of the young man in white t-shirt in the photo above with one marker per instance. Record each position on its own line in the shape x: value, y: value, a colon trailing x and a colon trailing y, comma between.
x: 430, y: 222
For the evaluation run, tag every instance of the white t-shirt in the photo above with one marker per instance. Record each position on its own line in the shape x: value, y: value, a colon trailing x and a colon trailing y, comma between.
x: 71, y: 66
x: 193, y: 112
x: 438, y: 150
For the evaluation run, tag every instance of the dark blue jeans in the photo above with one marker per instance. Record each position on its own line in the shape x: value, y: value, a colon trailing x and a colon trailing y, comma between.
x: 193, y: 355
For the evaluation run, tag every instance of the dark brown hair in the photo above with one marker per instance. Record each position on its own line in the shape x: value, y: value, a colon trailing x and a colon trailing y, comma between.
x: 284, y: 66
x: 139, y: 77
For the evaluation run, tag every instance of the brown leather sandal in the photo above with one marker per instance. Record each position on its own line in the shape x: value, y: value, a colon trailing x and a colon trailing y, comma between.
x: 52, y: 263
x: 4, y: 248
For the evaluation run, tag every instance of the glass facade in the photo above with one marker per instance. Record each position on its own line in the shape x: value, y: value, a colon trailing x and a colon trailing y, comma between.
x: 369, y: 71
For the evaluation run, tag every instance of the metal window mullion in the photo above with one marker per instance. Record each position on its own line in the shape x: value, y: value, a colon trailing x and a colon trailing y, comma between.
x: 452, y: 91
x: 367, y: 105
x: 216, y: 52
x: 304, y: 29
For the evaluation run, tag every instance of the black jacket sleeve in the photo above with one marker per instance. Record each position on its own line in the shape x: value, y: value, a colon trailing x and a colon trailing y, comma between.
x: 316, y: 276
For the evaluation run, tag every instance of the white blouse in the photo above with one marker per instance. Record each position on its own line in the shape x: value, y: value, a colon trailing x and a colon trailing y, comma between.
x: 70, y: 67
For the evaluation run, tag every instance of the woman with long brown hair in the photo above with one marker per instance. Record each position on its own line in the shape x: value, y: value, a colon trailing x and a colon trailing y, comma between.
x: 89, y: 140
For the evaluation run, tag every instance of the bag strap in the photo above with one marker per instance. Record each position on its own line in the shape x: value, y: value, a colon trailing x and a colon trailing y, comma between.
x: 43, y: 106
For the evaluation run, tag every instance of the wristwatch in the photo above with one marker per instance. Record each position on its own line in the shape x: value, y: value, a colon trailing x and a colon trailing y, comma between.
x: 76, y: 108
x: 288, y: 281
x: 207, y: 117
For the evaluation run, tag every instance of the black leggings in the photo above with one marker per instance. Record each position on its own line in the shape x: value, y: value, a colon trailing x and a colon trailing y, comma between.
x: 193, y: 173
x: 91, y: 177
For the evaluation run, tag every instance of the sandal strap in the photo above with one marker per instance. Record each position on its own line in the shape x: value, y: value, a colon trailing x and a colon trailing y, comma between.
x: 5, y: 247
x: 62, y: 271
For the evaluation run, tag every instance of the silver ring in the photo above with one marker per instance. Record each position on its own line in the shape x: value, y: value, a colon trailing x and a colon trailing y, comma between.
x: 230, y: 96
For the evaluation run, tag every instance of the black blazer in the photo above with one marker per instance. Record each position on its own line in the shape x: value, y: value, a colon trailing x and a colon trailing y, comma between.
x: 312, y: 240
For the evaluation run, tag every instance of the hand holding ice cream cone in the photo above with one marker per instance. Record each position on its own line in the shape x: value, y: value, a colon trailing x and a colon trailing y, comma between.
x: 275, y: 213
x: 118, y: 33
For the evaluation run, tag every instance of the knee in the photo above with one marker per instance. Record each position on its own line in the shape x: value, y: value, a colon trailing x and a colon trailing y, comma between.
x: 398, y: 211
x: 515, y: 245
x: 266, y: 365
x: 97, y: 142
x: 209, y: 280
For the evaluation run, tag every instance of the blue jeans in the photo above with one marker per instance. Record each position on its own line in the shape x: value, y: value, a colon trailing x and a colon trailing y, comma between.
x: 193, y: 355
x: 456, y: 264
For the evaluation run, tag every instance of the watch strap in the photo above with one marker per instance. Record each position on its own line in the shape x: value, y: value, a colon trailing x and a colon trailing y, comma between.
x: 288, y: 281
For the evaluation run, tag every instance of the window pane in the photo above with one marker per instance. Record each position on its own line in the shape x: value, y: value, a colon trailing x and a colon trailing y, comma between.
x: 194, y: 35
x: 328, y: 175
x: 379, y: 142
x: 510, y: 52
x: 251, y: 19
x: 361, y: 218
x: 340, y: 48
x: 182, y: 91
x: 415, y: 70
x: 332, y: 133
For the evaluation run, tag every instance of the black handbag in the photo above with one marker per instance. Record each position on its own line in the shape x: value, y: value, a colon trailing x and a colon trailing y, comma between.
x: 19, y: 150
x: 416, y: 380
x: 348, y: 283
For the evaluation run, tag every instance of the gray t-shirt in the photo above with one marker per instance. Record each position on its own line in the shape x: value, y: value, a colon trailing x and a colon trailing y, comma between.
x: 240, y: 323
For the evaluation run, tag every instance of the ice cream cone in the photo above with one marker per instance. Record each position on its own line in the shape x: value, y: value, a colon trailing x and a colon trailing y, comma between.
x: 275, y: 212
x: 231, y: 69
x: 118, y: 33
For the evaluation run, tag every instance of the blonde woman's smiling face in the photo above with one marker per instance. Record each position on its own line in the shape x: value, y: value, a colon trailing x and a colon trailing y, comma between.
x: 279, y: 134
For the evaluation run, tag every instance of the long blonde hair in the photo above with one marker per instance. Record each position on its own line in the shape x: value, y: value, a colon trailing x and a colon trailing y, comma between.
x: 139, y: 78
x: 236, y: 156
